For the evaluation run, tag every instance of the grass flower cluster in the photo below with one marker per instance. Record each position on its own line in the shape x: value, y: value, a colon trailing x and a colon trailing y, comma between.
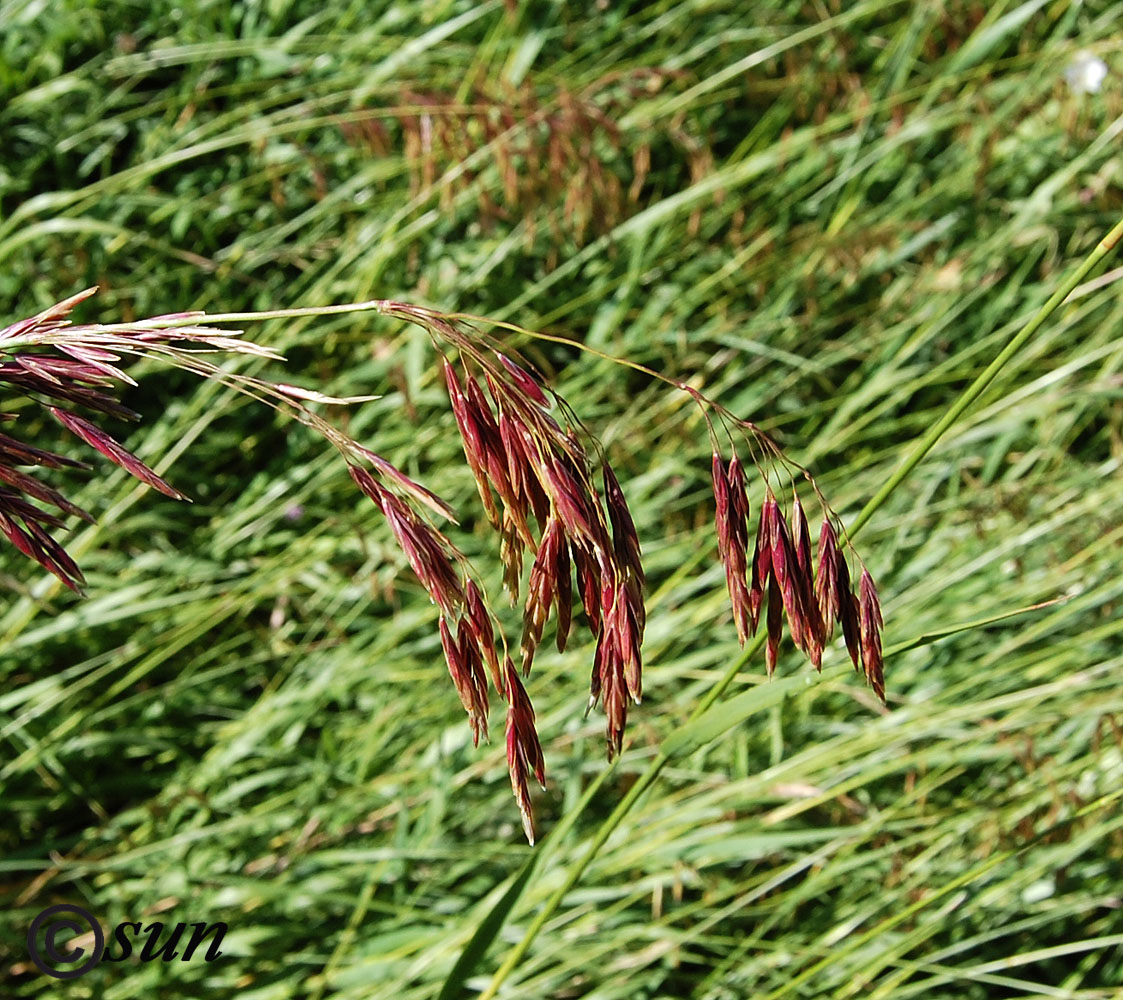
x: 529, y: 470
x: 297, y: 704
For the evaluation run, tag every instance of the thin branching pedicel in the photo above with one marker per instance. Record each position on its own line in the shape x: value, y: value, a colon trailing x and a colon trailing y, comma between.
x: 546, y: 486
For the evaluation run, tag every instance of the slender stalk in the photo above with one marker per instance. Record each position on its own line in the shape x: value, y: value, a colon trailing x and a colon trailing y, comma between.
x: 645, y: 781
x: 979, y: 386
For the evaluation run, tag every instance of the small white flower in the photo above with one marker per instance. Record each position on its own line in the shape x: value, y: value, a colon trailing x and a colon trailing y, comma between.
x: 1086, y: 73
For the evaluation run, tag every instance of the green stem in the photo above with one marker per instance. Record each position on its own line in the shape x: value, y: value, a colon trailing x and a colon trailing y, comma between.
x: 978, y: 387
x: 647, y: 779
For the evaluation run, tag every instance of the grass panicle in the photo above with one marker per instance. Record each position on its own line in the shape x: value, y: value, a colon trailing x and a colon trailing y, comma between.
x: 537, y: 480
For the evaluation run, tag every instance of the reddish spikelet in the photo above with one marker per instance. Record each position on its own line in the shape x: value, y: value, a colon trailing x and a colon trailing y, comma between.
x: 94, y: 358
x: 570, y: 502
x: 431, y: 563
x: 610, y: 676
x: 18, y: 537
x: 470, y: 656
x: 15, y: 452
x: 738, y: 500
x: 501, y: 465
x: 367, y: 484
x: 523, y: 464
x: 17, y: 506
x: 870, y: 626
x: 480, y: 623
x: 468, y: 432
x: 56, y: 559
x: 721, y: 504
x: 55, y: 370
x: 850, y: 616
x: 622, y: 633
x: 801, y: 540
x: 762, y: 560
x: 50, y: 554
x: 511, y: 555
x: 541, y: 589
x: 625, y: 541
x: 524, y: 380
x: 40, y: 546
x: 421, y: 543
x: 775, y: 624
x: 40, y: 491
x: 727, y: 546
x: 514, y: 395
x: 524, y: 752
x: 588, y: 579
x: 736, y: 563
x: 563, y: 581
x: 629, y: 630
x: 785, y: 572
x: 461, y: 672
x: 518, y: 470
x: 826, y: 579
x: 471, y: 436
x: 413, y: 488
x: 519, y: 482
x: 69, y: 392
x: 535, y: 495
x: 814, y: 630
x: 28, y: 370
x: 95, y: 437
x: 849, y: 613
x: 814, y: 651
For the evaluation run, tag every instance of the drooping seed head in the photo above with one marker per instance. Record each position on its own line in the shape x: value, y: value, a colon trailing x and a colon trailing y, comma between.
x: 95, y: 437
x: 480, y: 623
x: 826, y: 577
x: 470, y: 656
x: 870, y: 626
x: 524, y: 752
x: 422, y: 545
x: 625, y: 541
x: 466, y: 671
x: 611, y: 684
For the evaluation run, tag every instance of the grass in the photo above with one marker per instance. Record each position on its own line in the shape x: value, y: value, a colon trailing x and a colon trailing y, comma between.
x: 849, y: 211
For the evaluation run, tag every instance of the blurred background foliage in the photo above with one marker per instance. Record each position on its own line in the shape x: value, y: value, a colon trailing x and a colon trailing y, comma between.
x: 829, y: 216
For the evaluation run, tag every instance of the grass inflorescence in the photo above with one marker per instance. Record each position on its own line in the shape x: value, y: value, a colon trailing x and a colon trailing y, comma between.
x: 847, y: 213
x: 517, y: 452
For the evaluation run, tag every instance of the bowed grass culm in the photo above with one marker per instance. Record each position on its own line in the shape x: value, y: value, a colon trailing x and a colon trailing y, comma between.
x: 546, y: 485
